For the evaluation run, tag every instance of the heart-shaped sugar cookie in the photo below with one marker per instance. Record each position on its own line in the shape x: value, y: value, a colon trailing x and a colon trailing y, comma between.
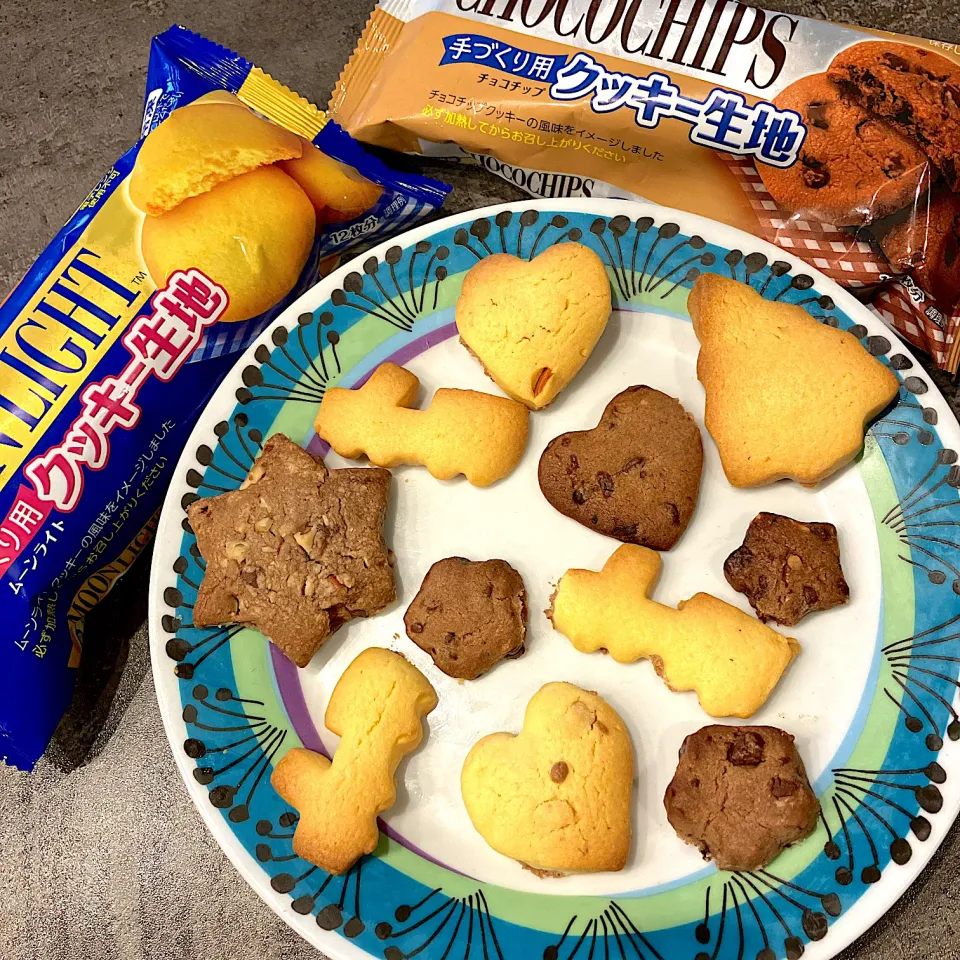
x: 556, y: 796
x: 533, y: 324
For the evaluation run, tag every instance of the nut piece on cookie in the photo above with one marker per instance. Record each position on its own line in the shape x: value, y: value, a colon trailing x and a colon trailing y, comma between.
x: 376, y: 709
x: 469, y: 615
x: 556, y: 796
x: 741, y: 795
x: 853, y: 168
x: 787, y: 569
x: 732, y: 661
x: 635, y: 476
x: 296, y: 551
x: 462, y: 431
x: 914, y: 89
x: 534, y: 324
x: 787, y: 396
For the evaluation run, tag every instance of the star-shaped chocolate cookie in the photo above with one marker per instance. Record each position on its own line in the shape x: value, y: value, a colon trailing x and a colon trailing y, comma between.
x: 296, y: 551
x: 787, y: 569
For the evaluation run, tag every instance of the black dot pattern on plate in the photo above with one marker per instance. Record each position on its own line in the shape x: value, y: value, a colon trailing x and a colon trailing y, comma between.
x: 878, y: 346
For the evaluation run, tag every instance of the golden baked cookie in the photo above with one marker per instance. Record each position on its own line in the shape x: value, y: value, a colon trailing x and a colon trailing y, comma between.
x: 337, y: 192
x: 251, y: 234
x: 732, y: 661
x: 201, y: 145
x: 914, y: 89
x: 556, y: 796
x: 376, y: 709
x: 787, y: 396
x: 533, y: 324
x: 853, y: 168
x: 462, y: 431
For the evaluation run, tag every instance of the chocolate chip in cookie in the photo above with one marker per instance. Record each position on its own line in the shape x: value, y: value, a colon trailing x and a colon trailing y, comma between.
x: 469, y: 615
x: 741, y: 795
x: 788, y: 569
x: 635, y: 476
x: 853, y: 168
x: 915, y: 90
x: 296, y: 551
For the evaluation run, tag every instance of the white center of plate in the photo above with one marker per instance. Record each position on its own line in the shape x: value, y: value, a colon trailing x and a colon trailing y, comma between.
x: 817, y: 700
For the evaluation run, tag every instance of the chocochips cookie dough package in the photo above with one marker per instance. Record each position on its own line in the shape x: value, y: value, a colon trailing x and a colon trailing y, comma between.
x: 192, y: 242
x: 838, y: 144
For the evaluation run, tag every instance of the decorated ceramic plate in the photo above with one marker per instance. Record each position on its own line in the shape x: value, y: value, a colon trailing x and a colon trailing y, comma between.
x: 870, y: 699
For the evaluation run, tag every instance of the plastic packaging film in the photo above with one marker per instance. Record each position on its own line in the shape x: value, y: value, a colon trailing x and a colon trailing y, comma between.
x: 835, y: 143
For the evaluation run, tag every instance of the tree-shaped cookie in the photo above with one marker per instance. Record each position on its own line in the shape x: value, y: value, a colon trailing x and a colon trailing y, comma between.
x: 787, y: 396
x: 556, y: 796
x: 376, y: 709
x: 730, y: 659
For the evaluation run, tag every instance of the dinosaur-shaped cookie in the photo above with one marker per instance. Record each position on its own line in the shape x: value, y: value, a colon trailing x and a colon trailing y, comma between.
x: 462, y: 431
x: 376, y: 709
x: 730, y: 659
x: 787, y: 396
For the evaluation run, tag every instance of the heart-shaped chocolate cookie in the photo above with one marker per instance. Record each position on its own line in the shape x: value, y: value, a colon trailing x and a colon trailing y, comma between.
x: 556, y: 796
x: 533, y: 324
x: 635, y: 476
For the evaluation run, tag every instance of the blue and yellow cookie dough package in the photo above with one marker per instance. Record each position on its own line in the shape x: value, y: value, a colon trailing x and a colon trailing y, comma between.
x: 199, y: 236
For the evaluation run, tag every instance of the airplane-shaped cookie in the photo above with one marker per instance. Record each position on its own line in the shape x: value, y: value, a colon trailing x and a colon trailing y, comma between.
x: 462, y: 431
x: 730, y: 659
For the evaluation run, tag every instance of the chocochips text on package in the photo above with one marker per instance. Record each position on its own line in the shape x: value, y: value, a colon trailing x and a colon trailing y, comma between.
x: 711, y: 106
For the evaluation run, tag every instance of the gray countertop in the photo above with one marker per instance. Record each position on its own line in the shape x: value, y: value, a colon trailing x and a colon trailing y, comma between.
x: 102, y: 855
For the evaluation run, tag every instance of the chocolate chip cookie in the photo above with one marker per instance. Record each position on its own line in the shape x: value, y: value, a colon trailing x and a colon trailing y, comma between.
x: 469, y: 615
x: 296, y: 551
x: 741, y: 795
x: 927, y: 245
x: 787, y: 569
x: 914, y: 89
x: 852, y: 168
x: 635, y: 476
